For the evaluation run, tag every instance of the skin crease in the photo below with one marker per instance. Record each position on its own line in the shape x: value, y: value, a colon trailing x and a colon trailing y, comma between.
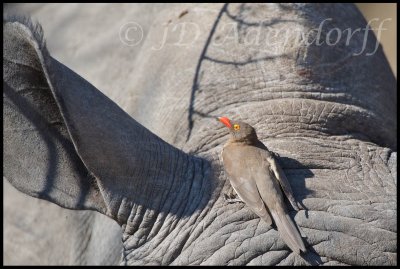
x: 251, y: 169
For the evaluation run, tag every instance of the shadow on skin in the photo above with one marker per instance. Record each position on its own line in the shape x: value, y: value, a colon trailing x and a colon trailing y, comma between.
x: 297, y: 175
x: 195, y: 84
x: 53, y: 138
x: 311, y: 256
x: 241, y: 24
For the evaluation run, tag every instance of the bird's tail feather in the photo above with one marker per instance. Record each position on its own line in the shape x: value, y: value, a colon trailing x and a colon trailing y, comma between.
x: 288, y: 232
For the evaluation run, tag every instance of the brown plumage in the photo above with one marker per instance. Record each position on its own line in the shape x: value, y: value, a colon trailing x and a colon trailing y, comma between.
x: 257, y: 179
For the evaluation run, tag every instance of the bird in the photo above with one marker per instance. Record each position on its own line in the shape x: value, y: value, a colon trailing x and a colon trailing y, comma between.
x: 257, y: 179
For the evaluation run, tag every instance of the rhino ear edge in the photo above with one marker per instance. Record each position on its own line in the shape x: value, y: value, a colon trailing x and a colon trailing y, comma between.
x: 33, y: 28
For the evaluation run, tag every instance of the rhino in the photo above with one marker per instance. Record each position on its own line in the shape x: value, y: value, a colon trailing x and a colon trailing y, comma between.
x: 119, y: 142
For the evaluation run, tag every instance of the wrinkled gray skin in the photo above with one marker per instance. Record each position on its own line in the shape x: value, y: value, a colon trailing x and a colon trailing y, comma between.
x: 330, y: 116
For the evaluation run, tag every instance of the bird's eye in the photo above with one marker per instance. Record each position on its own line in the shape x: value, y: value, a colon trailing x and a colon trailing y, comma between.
x: 236, y: 127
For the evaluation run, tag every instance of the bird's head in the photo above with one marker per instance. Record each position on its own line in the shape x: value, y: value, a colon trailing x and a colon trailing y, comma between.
x: 239, y: 130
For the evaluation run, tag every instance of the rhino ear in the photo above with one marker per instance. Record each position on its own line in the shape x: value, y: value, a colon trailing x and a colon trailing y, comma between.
x: 39, y: 156
x: 66, y: 142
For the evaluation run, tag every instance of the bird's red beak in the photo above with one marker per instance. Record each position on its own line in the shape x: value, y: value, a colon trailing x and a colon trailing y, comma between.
x: 225, y: 121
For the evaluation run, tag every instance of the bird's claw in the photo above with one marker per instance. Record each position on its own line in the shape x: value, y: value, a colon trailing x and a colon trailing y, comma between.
x: 298, y: 206
x: 232, y: 200
x: 231, y: 197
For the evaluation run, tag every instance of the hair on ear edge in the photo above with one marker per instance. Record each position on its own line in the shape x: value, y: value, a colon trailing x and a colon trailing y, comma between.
x: 34, y: 28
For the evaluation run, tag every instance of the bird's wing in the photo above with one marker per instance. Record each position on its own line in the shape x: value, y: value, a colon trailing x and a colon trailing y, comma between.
x: 271, y: 194
x: 248, y: 192
x: 281, y: 177
x: 245, y: 186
